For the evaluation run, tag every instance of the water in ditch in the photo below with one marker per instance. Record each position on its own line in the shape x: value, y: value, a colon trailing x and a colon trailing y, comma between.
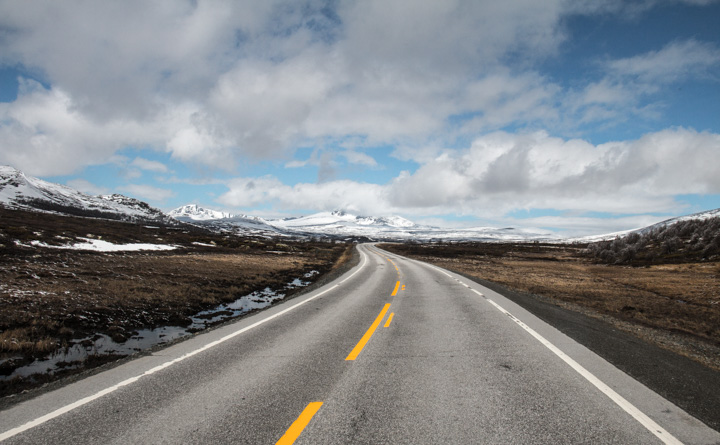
x: 75, y: 355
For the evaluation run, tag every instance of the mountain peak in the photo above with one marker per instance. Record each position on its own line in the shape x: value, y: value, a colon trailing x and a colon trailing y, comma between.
x: 196, y: 213
x: 6, y: 170
x: 18, y: 190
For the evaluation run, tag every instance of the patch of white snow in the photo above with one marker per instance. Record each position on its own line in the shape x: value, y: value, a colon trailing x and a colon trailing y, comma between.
x: 97, y: 245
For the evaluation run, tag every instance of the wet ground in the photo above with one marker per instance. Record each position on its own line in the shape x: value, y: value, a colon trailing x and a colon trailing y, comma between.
x: 78, y: 351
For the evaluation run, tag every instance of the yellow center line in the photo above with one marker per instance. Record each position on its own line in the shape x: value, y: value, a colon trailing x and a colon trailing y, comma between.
x: 397, y: 286
x: 390, y: 317
x: 393, y: 263
x: 299, y: 425
x: 365, y: 338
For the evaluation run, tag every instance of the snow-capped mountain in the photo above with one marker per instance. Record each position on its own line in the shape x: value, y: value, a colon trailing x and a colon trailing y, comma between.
x: 193, y: 212
x: 18, y: 190
x: 21, y: 191
x: 701, y: 215
x: 344, y: 225
x: 224, y: 222
x: 395, y: 228
x: 340, y: 218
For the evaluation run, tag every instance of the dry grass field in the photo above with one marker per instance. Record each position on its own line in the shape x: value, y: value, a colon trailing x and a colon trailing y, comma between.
x: 50, y: 297
x: 53, y: 297
x: 674, y: 305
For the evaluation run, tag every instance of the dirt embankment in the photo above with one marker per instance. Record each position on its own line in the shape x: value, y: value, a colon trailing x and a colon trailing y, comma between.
x: 676, y: 306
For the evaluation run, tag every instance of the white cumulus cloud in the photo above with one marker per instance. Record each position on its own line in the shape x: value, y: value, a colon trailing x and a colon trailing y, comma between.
x: 147, y: 192
x: 503, y: 172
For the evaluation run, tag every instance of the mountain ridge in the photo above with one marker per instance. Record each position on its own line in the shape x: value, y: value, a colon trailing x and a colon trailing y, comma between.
x: 345, y: 225
x: 18, y: 190
x: 21, y: 191
x: 706, y: 214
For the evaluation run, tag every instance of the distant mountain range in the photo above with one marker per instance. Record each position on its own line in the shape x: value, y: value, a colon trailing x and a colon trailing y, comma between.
x: 18, y: 190
x: 343, y: 225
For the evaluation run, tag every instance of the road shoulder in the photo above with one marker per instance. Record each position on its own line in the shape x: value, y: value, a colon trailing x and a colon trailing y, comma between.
x: 688, y: 384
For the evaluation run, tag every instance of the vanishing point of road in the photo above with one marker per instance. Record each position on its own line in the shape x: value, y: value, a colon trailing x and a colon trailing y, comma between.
x: 394, y: 351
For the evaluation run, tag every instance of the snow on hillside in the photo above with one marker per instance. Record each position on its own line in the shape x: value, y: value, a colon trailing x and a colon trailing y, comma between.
x: 18, y: 190
x: 193, y: 212
x: 339, y: 218
x: 609, y: 236
x: 702, y: 215
x: 225, y: 222
x: 341, y: 224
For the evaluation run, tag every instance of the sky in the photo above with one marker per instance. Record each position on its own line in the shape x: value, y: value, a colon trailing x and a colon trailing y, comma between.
x: 581, y: 117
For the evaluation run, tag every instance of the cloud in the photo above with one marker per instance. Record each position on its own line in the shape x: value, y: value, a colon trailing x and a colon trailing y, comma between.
x: 266, y: 105
x: 87, y: 187
x: 44, y: 133
x: 632, y: 87
x: 148, y: 192
x: 218, y: 82
x: 502, y: 172
x: 339, y: 194
x: 628, y: 10
x: 147, y: 52
x: 359, y: 158
x: 677, y: 60
x: 149, y: 165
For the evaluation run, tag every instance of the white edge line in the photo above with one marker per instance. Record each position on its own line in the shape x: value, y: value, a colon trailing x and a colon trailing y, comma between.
x: 628, y: 407
x: 67, y: 408
x: 364, y: 259
x: 440, y: 270
x: 660, y: 432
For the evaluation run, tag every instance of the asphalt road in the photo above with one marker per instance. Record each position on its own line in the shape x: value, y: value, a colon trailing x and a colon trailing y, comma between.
x: 394, y: 351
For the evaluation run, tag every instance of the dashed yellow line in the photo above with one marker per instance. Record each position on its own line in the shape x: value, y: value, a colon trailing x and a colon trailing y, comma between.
x: 394, y: 265
x: 299, y: 425
x: 390, y: 317
x: 365, y: 338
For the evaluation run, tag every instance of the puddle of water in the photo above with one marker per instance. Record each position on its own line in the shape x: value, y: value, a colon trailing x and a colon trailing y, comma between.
x: 75, y: 355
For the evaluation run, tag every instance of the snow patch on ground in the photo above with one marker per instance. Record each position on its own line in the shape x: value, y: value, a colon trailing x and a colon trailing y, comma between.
x: 97, y: 245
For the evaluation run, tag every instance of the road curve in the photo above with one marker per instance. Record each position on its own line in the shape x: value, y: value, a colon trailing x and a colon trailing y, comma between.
x: 394, y: 351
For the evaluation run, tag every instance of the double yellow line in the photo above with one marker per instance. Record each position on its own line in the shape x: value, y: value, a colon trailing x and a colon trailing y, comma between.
x: 365, y: 338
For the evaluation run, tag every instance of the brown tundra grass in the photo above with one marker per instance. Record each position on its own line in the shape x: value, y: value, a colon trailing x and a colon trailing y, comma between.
x: 46, y: 300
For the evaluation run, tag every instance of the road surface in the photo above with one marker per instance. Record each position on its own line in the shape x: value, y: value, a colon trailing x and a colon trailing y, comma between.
x: 394, y: 351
